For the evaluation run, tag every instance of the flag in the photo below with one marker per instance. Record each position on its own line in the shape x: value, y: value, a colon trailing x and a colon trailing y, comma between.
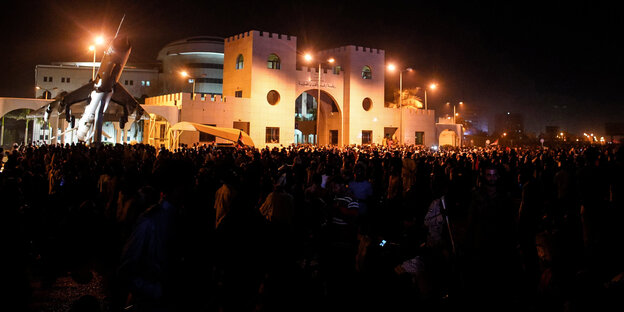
x: 239, y: 142
x: 495, y: 142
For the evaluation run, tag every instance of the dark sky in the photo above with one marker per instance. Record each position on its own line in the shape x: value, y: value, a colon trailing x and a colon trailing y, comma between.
x: 521, y: 57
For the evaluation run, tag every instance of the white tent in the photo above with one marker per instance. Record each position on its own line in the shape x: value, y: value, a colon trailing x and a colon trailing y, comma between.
x: 229, y: 134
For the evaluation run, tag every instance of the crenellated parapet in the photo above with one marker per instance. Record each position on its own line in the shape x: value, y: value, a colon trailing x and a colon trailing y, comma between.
x: 166, y: 99
x: 262, y: 34
x: 176, y: 99
x: 352, y: 48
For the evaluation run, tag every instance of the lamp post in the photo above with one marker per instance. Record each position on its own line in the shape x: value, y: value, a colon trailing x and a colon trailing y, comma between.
x: 308, y: 58
x: 98, y: 41
x: 391, y: 67
x: 454, y: 111
x: 186, y: 75
x: 432, y: 86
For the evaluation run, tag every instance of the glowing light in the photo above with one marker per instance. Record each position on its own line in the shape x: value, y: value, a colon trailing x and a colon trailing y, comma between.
x: 391, y: 67
x: 197, y: 53
x: 375, y: 119
x: 433, y: 86
x: 184, y: 74
x: 561, y: 133
x: 91, y: 47
x: 434, y: 147
x: 331, y: 60
x: 307, y: 57
x: 99, y: 40
x: 504, y: 133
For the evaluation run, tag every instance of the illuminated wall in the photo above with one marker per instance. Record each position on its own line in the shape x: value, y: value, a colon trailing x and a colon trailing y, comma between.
x: 256, y: 92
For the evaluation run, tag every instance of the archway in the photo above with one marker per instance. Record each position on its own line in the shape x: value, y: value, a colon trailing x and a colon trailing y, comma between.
x: 16, y: 127
x: 448, y: 137
x: 324, y: 129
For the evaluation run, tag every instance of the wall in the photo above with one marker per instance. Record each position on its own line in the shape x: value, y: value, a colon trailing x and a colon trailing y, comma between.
x: 353, y: 59
x: 422, y: 121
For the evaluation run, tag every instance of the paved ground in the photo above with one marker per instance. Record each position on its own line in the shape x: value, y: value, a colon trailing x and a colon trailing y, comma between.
x: 64, y: 293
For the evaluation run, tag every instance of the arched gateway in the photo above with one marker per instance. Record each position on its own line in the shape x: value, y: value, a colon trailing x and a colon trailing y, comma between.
x: 312, y: 127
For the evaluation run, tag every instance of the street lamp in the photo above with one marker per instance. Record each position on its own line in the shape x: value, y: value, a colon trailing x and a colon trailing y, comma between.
x: 308, y: 57
x: 186, y: 75
x: 391, y: 67
x: 432, y: 86
x: 454, y: 112
x: 98, y: 41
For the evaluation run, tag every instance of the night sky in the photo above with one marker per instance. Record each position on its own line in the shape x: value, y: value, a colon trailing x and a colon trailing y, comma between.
x: 521, y: 57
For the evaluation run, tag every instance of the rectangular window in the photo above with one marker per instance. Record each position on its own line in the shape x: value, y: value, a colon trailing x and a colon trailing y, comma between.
x: 126, y: 82
x: 162, y: 132
x: 147, y: 83
x: 205, y: 137
x: 131, y: 82
x: 272, y: 135
x: 238, y: 93
x: 367, y: 137
x: 143, y: 83
x: 337, y: 70
x: 333, y: 137
x: 242, y: 125
x: 67, y: 79
x: 50, y: 79
x: 204, y: 65
x: 45, y: 78
x: 419, y: 138
x: 62, y: 79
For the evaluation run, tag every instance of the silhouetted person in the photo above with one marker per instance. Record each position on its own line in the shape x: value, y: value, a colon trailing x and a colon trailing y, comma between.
x: 151, y: 261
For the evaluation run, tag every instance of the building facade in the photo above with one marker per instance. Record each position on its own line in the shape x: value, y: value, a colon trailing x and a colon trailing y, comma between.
x: 200, y: 57
x: 272, y: 93
x: 51, y: 80
x: 258, y: 82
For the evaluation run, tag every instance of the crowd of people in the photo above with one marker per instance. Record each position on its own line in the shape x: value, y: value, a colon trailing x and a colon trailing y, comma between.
x: 217, y: 228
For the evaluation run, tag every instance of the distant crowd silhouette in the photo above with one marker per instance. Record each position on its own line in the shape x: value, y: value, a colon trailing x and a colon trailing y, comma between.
x: 316, y: 228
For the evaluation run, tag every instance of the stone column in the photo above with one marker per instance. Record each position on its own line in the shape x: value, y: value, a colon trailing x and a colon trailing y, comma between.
x: 117, y: 132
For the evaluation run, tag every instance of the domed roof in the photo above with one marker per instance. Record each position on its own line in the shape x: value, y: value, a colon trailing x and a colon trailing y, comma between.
x: 192, y: 45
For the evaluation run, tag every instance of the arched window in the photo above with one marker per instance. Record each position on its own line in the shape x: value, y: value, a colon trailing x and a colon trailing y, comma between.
x: 239, y: 62
x: 273, y: 61
x: 367, y: 73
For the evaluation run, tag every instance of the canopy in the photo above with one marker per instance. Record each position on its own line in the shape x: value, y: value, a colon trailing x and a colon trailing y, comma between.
x: 229, y: 134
